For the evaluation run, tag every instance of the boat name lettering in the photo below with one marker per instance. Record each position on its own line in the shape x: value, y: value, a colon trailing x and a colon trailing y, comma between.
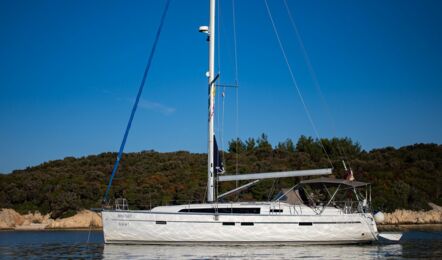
x: 125, y: 215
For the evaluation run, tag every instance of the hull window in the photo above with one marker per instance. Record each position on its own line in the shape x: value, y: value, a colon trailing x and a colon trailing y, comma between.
x: 247, y: 224
x: 228, y: 223
x: 305, y: 223
x: 161, y: 222
x: 276, y: 210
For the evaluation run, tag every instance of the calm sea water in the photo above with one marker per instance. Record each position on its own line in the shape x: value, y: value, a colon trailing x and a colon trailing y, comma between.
x: 74, y: 244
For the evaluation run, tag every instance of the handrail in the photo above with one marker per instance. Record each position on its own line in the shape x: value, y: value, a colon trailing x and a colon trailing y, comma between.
x: 345, y: 206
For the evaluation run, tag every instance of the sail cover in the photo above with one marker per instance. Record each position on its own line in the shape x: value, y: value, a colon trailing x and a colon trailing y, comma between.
x: 219, y: 167
x: 273, y: 175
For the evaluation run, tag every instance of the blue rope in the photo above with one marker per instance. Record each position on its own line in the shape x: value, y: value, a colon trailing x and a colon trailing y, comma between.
x: 134, y: 108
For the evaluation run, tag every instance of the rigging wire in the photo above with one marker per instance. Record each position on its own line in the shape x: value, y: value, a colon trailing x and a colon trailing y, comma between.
x: 218, y: 53
x: 272, y: 189
x: 314, y: 78
x: 295, y: 83
x: 223, y: 94
x: 134, y: 108
x: 220, y: 104
x: 235, y: 52
x: 222, y: 112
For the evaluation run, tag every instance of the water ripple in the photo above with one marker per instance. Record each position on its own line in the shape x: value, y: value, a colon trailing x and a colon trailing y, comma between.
x: 72, y: 245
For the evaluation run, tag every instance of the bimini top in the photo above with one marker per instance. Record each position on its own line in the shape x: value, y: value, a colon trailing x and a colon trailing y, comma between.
x: 325, y: 180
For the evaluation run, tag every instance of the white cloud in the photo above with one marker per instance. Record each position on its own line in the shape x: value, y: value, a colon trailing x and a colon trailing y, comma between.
x: 157, y: 107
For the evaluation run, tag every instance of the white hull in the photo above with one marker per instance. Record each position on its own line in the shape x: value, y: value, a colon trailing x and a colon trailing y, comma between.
x: 146, y: 227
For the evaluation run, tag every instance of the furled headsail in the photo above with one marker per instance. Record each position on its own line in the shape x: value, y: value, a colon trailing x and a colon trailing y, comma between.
x: 217, y: 161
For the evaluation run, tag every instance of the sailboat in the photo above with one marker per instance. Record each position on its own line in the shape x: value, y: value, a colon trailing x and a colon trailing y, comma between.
x: 313, y: 211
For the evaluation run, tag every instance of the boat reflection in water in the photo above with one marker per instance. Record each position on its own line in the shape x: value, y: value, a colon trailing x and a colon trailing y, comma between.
x: 370, y: 251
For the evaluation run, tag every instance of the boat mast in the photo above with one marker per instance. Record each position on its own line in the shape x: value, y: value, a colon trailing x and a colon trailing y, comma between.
x: 212, y: 91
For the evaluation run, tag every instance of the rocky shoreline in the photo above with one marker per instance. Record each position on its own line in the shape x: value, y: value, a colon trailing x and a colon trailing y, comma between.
x: 407, y: 217
x: 86, y: 219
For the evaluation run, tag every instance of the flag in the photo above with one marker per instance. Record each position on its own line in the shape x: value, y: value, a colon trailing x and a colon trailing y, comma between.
x: 350, y: 176
x: 219, y: 167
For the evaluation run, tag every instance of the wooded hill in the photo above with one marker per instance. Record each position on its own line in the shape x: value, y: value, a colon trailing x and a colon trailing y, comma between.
x: 406, y: 178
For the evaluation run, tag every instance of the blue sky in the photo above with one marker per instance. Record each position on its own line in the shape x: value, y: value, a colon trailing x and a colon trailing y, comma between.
x: 69, y: 72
